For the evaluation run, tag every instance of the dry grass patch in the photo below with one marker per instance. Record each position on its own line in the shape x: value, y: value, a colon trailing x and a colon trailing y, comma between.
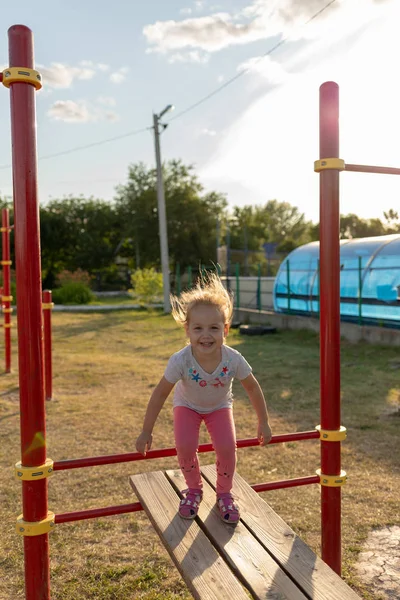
x: 105, y: 366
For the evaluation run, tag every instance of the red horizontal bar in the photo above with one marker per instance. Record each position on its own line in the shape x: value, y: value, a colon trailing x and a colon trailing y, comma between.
x: 121, y: 509
x: 370, y: 169
x: 94, y: 513
x: 286, y: 483
x: 78, y: 463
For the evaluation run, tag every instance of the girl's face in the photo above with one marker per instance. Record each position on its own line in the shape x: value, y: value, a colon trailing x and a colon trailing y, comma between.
x: 206, y: 330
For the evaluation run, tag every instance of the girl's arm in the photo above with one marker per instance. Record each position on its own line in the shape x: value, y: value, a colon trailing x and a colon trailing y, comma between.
x: 156, y: 402
x: 256, y: 397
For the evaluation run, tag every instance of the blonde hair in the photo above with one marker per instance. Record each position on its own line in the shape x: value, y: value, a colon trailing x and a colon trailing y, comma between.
x: 208, y: 290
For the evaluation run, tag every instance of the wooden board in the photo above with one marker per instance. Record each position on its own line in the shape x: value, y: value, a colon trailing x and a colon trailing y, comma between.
x: 252, y: 564
x: 312, y: 575
x: 205, y: 573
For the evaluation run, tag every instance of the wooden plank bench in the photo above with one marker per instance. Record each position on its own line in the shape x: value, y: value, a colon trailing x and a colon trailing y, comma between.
x: 261, y: 556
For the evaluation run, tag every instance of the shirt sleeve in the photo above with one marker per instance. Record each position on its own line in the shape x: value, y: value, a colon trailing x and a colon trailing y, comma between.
x: 173, y: 371
x: 243, y: 369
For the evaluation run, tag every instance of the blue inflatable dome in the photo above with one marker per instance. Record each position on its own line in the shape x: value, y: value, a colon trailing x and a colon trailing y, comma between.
x: 371, y: 265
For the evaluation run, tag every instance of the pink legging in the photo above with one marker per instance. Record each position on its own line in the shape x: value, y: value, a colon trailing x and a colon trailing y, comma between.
x: 221, y: 428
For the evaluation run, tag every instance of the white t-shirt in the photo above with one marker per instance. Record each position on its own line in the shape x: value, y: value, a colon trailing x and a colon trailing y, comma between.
x: 201, y: 391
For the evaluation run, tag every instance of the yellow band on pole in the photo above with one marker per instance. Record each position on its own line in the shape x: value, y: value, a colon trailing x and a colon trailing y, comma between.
x: 332, y: 435
x: 22, y: 74
x: 5, y: 262
x: 7, y: 310
x: 47, y: 305
x: 332, y: 480
x: 7, y: 325
x: 6, y: 298
x: 329, y: 163
x: 3, y: 229
x: 36, y: 527
x: 33, y: 473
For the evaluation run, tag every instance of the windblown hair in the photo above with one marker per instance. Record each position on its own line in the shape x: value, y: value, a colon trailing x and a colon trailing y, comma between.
x: 210, y: 291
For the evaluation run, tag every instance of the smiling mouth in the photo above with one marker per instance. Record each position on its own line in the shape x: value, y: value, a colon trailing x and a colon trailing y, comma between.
x: 206, y: 344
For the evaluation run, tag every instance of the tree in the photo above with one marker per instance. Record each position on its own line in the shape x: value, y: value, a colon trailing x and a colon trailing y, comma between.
x: 191, y: 215
x: 392, y: 218
x: 275, y: 222
x: 351, y: 226
x: 77, y: 233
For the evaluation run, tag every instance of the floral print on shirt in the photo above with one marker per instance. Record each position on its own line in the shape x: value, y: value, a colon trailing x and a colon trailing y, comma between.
x: 225, y: 373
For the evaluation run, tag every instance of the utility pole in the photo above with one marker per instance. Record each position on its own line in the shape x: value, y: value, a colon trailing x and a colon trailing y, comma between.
x: 246, y: 252
x: 217, y: 240
x: 162, y: 218
x: 228, y: 256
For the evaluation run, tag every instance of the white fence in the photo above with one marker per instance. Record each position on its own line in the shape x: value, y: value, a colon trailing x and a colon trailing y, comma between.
x: 248, y: 291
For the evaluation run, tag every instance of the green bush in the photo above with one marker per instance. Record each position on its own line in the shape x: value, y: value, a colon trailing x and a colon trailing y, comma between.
x: 77, y: 276
x: 148, y: 285
x: 73, y: 293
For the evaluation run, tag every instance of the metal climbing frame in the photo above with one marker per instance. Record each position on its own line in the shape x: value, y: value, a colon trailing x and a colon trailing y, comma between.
x: 33, y: 470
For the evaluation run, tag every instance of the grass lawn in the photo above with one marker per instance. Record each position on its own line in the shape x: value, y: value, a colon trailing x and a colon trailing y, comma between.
x: 121, y: 299
x: 114, y: 300
x: 105, y: 366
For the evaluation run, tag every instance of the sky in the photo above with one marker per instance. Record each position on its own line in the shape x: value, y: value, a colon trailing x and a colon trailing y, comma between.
x: 107, y: 67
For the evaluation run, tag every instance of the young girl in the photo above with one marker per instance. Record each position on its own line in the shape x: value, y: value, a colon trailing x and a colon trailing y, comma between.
x: 204, y: 371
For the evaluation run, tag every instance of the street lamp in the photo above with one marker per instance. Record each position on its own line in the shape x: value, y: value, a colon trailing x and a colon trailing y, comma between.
x: 162, y: 218
x: 166, y: 109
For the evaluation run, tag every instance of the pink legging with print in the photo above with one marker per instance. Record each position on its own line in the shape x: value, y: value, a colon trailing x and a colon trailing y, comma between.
x: 221, y: 428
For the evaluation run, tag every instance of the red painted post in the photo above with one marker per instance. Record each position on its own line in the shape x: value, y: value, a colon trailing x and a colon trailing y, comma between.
x: 29, y: 301
x: 330, y: 322
x: 48, y: 368
x: 6, y: 294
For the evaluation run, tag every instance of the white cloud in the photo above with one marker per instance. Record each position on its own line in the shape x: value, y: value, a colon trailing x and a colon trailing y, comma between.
x: 210, y: 33
x: 111, y: 116
x: 78, y: 112
x: 120, y: 75
x: 70, y: 112
x: 117, y: 77
x: 191, y: 56
x: 259, y: 20
x: 267, y: 68
x: 107, y: 100
x: 59, y: 75
x: 208, y: 132
x: 198, y: 6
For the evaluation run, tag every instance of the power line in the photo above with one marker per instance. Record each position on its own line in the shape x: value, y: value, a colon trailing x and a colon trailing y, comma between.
x: 92, y: 145
x: 247, y: 69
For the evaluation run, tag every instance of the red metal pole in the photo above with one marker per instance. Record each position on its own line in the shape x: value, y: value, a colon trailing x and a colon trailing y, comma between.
x: 285, y: 483
x: 94, y: 513
x: 6, y: 296
x: 330, y: 322
x: 96, y: 461
x: 29, y: 301
x: 372, y: 169
x: 48, y: 368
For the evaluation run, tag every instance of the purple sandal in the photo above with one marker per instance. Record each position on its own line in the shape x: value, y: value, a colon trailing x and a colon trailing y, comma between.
x: 189, y: 505
x: 228, y: 510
